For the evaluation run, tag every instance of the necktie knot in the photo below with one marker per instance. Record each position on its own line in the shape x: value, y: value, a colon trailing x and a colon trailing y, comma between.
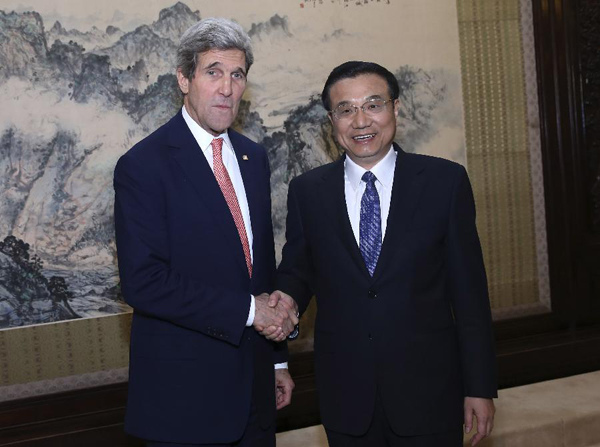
x: 369, y: 178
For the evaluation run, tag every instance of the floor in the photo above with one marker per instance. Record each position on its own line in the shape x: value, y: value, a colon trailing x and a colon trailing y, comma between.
x: 558, y: 413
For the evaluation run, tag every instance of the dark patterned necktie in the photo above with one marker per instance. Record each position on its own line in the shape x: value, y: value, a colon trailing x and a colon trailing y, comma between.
x: 370, y: 223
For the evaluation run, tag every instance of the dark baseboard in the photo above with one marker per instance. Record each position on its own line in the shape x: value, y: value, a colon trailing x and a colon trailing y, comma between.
x: 549, y: 356
x: 90, y: 417
x: 94, y: 417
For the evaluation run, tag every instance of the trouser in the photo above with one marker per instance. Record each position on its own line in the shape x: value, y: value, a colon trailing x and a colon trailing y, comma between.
x: 380, y: 434
x: 254, y: 436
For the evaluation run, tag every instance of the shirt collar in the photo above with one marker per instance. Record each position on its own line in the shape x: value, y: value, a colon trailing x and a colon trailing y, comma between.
x: 383, y: 170
x: 202, y: 137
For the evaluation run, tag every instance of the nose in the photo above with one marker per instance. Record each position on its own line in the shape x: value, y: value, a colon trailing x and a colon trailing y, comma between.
x: 360, y: 119
x: 225, y: 86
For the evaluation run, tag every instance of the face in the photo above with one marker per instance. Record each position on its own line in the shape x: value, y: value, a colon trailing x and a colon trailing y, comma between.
x: 212, y: 97
x: 365, y: 138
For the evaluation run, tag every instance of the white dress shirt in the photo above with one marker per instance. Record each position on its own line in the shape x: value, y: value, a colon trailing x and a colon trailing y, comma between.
x: 354, y: 188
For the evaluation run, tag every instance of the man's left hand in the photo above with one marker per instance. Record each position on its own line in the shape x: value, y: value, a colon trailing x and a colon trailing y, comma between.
x: 484, y: 410
x: 283, y: 388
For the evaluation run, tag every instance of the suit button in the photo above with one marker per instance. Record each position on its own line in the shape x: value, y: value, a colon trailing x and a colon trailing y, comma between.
x: 370, y: 336
x: 372, y: 295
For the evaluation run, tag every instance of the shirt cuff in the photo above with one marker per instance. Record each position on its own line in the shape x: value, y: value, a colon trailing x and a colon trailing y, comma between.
x: 283, y: 365
x: 250, y: 320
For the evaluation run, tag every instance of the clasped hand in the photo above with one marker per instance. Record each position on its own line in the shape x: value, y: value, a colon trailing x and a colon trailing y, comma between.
x: 276, y: 315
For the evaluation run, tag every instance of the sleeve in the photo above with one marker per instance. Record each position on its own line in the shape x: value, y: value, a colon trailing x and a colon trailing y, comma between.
x: 148, y: 282
x: 280, y: 354
x: 295, y: 273
x: 467, y: 288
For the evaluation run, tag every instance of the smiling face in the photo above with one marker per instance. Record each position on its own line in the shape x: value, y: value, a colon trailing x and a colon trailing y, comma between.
x: 212, y: 97
x: 365, y: 138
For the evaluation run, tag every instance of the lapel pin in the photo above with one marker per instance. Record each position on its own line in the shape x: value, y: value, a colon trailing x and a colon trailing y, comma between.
x: 245, y: 157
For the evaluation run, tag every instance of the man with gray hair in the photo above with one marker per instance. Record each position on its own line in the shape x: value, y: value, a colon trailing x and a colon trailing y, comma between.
x: 196, y: 260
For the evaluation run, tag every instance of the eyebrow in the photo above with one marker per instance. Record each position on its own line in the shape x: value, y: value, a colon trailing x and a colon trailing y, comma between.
x: 217, y: 63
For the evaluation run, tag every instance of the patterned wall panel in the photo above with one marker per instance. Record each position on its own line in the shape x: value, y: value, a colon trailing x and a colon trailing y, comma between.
x: 502, y: 132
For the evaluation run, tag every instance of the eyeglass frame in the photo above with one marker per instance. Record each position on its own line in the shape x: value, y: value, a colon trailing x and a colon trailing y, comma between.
x: 362, y: 108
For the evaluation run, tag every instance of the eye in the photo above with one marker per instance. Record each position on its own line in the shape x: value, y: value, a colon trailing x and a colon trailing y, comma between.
x: 374, y: 106
x: 238, y: 75
x: 344, y: 111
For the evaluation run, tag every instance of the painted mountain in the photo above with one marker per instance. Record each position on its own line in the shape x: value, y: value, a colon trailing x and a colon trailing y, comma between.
x: 74, y: 101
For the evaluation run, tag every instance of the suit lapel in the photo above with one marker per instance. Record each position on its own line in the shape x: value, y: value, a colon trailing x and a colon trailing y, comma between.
x: 406, y: 192
x: 334, y: 197
x: 188, y: 155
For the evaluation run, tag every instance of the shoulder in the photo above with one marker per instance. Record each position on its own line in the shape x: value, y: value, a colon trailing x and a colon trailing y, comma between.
x: 239, y: 140
x: 245, y: 145
x: 314, y: 175
x: 156, y: 141
x: 149, y: 152
x: 438, y: 168
x: 442, y: 180
x: 430, y: 161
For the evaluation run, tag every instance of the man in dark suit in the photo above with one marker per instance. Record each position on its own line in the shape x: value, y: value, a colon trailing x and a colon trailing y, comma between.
x: 196, y: 256
x: 386, y: 240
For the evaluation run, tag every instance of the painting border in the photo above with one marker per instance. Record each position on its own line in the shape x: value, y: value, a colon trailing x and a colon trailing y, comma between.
x: 530, y: 349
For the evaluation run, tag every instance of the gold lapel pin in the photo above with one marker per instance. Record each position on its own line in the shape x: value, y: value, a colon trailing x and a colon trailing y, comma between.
x: 245, y: 157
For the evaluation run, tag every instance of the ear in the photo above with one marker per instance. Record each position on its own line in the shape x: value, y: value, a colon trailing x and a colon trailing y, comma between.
x: 184, y: 83
x: 330, y: 118
x: 396, y: 107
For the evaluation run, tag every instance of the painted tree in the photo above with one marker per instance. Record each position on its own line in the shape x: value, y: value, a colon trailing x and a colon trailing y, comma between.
x: 59, y: 290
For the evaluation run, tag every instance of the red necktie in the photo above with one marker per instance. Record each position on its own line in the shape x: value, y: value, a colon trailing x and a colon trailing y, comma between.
x: 226, y: 186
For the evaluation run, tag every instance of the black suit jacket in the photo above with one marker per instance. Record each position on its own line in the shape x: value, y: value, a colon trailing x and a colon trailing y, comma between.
x: 419, y: 330
x: 193, y: 362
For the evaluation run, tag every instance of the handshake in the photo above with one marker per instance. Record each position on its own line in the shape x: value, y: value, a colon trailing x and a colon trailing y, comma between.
x: 276, y: 315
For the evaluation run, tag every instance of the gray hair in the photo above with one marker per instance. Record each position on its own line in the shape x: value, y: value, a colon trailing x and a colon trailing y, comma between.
x: 214, y: 33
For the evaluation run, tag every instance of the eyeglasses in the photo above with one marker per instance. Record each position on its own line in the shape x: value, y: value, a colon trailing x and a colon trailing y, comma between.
x: 371, y: 107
